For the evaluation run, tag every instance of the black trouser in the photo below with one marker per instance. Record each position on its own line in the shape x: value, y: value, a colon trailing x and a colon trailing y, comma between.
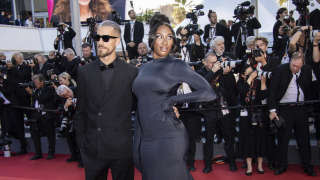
x: 213, y: 119
x: 317, y: 125
x: 14, y: 125
x: 97, y: 168
x: 43, y: 127
x: 73, y: 146
x: 295, y: 118
x: 192, y: 122
x: 132, y: 51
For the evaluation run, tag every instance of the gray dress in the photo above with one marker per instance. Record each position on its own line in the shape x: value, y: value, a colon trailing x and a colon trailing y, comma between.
x: 161, y: 140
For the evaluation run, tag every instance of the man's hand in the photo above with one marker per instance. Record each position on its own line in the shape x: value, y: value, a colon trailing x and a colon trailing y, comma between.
x: 273, y: 115
x: 175, y: 110
x: 29, y: 90
x: 131, y: 44
x: 316, y: 38
x: 226, y: 70
x: 252, y: 76
x: 68, y: 103
x: 216, y: 67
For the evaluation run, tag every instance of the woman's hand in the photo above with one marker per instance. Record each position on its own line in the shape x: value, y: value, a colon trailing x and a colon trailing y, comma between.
x: 175, y: 110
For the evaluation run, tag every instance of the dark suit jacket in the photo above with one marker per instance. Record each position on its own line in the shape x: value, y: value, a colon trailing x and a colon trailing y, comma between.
x: 102, y: 121
x: 280, y: 81
x: 137, y: 34
x: 221, y: 30
x: 196, y: 52
x: 67, y: 39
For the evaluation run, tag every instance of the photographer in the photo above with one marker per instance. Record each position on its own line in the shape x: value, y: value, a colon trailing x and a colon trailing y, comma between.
x: 16, y: 72
x: 64, y: 38
x: 190, y: 52
x: 43, y: 123
x: 143, y: 55
x: 242, y: 30
x: 42, y: 65
x: 224, y: 85
x: 216, y: 29
x: 291, y: 83
x: 67, y: 127
x: 299, y: 42
x: 281, y: 14
x: 87, y: 55
x: 252, y: 137
x: 70, y: 63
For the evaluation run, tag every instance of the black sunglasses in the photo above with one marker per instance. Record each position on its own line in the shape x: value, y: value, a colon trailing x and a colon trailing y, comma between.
x: 105, y: 38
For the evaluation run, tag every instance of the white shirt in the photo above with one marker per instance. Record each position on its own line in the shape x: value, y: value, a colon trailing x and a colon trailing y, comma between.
x: 28, y: 23
x: 185, y: 54
x: 132, y: 30
x: 292, y: 91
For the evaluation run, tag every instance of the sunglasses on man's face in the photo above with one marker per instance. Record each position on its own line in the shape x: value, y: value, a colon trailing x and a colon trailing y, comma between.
x: 105, y: 38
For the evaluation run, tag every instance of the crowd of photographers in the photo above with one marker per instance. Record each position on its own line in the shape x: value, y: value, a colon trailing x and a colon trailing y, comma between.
x: 237, y: 65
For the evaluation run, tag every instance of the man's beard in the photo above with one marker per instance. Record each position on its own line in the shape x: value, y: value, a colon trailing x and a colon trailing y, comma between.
x: 103, y: 52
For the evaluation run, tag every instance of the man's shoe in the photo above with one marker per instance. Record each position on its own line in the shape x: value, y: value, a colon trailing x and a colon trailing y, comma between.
x: 310, y: 172
x: 233, y: 167
x: 280, y: 171
x: 207, y: 170
x: 50, y: 156
x: 36, y: 157
x: 72, y: 159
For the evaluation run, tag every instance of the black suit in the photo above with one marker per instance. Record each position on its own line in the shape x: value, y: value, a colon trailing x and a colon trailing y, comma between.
x: 240, y: 48
x: 67, y: 37
x: 294, y: 117
x: 102, y: 121
x: 138, y: 34
x: 221, y: 30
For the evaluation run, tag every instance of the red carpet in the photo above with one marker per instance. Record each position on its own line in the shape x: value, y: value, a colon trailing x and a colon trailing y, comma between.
x: 21, y: 168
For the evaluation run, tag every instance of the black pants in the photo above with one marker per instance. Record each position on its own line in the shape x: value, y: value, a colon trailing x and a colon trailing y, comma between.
x: 73, y: 146
x: 295, y: 118
x: 44, y: 127
x: 97, y: 168
x: 192, y: 122
x: 214, y: 119
x: 317, y: 126
x: 14, y: 125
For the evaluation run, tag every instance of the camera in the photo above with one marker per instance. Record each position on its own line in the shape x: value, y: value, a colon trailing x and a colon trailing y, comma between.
x: 243, y: 11
x: 27, y: 84
x: 116, y: 18
x: 229, y: 63
x: 60, y: 28
x: 193, y: 27
x: 64, y: 125
x: 253, y: 53
x: 265, y: 74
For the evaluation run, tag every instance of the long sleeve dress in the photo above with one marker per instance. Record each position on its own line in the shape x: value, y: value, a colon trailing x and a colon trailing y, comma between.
x: 161, y: 140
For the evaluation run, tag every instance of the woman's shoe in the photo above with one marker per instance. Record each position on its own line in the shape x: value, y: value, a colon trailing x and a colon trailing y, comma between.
x: 260, y: 172
x: 248, y: 173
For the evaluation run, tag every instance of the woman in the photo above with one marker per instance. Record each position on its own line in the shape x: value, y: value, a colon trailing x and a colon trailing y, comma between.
x: 65, y: 79
x: 161, y: 139
x: 252, y: 123
x: 88, y: 8
x: 281, y: 13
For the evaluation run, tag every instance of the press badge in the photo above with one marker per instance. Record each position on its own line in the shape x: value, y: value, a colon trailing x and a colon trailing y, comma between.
x: 243, y: 113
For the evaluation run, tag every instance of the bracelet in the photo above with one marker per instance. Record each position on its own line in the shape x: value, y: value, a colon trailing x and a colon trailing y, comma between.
x: 315, y: 45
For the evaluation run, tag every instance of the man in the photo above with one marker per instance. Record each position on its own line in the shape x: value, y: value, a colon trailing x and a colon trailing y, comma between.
x: 292, y: 83
x: 42, y: 66
x: 71, y: 63
x: 216, y: 29
x: 64, y: 39
x: 224, y: 85
x: 43, y: 122
x: 143, y: 55
x: 190, y: 52
x: 239, y: 34
x: 87, y: 54
x: 133, y: 34
x: 104, y: 106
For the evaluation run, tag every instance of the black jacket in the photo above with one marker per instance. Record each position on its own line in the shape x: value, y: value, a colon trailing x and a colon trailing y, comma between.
x: 67, y: 39
x: 221, y: 30
x: 196, y: 52
x: 138, y: 33
x: 280, y: 81
x: 103, y: 116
